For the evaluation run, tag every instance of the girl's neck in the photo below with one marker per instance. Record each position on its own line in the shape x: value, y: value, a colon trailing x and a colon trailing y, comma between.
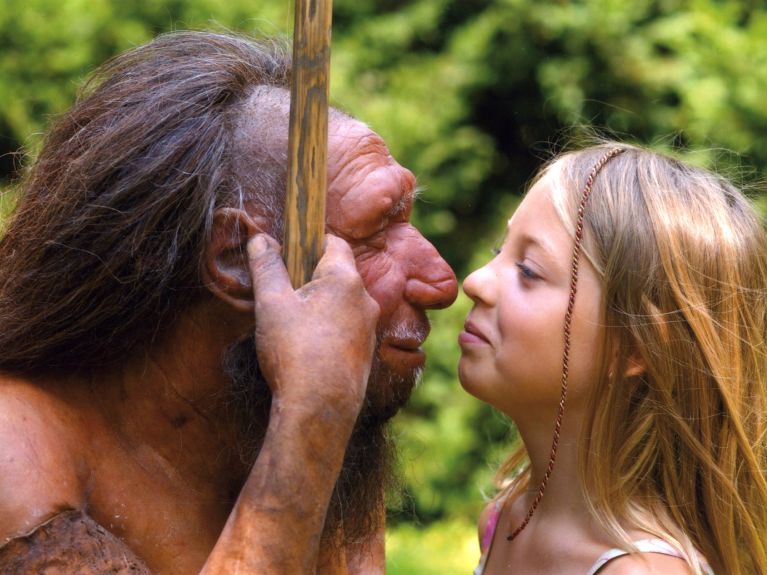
x: 563, y: 493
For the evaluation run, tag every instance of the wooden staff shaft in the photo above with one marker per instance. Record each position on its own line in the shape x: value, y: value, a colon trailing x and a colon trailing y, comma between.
x: 307, y: 140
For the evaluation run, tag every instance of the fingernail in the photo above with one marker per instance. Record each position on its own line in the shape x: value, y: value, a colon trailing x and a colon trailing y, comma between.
x: 258, y: 243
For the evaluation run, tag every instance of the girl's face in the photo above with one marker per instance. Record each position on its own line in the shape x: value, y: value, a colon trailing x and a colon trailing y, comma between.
x: 513, y: 339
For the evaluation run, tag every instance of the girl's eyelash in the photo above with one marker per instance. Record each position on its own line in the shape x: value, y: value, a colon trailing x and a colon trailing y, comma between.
x: 527, y: 273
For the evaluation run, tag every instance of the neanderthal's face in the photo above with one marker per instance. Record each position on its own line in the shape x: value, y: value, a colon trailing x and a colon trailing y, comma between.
x: 369, y: 202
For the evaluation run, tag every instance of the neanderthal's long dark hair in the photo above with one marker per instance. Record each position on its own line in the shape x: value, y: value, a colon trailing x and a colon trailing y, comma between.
x: 103, y: 250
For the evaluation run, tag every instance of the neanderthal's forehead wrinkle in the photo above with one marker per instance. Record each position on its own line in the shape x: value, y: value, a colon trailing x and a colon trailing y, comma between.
x: 367, y: 188
x: 369, y: 208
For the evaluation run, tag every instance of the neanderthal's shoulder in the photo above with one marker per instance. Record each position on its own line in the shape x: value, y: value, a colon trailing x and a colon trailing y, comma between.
x: 74, y: 541
x: 38, y: 465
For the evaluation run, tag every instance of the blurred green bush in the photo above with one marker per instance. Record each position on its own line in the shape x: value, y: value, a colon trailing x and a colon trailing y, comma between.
x: 445, y: 548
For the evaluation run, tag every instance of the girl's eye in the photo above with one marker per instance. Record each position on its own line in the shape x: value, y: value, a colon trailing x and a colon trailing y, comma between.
x: 526, y: 272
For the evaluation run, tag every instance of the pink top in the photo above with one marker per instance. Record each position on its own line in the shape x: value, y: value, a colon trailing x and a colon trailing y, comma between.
x: 487, y: 538
x: 492, y: 523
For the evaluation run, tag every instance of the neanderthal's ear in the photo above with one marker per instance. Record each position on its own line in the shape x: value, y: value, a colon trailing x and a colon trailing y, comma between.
x: 225, y: 269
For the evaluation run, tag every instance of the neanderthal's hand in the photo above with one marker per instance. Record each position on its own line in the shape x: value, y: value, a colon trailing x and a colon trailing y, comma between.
x: 315, y: 344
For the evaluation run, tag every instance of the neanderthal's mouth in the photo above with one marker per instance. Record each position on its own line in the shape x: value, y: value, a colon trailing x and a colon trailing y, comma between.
x: 407, y: 344
x: 403, y: 354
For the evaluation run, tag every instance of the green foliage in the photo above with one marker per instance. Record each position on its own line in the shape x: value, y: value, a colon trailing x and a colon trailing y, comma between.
x: 475, y: 94
x: 450, y: 442
x: 6, y: 204
x: 472, y: 95
x: 48, y: 47
x: 444, y: 436
x: 445, y: 548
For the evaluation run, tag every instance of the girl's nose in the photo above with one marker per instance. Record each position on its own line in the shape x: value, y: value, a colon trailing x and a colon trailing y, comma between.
x: 478, y: 286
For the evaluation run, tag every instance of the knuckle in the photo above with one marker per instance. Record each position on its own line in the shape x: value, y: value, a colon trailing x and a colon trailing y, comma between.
x: 348, y: 277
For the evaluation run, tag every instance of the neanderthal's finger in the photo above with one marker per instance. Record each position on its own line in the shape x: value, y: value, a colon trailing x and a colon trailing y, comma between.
x: 267, y: 270
x: 338, y: 259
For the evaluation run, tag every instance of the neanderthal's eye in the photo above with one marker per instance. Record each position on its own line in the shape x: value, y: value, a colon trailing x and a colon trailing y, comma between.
x: 377, y: 240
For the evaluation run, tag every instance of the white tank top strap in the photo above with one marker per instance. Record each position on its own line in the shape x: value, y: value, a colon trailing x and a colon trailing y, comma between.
x: 643, y: 546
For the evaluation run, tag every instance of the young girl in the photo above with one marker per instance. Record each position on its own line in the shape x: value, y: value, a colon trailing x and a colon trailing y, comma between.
x: 627, y: 312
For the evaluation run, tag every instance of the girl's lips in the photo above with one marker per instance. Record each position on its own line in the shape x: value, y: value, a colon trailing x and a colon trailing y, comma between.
x: 471, y: 335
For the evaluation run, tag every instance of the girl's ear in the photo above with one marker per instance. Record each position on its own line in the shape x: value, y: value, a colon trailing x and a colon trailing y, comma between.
x: 225, y: 270
x: 634, y: 364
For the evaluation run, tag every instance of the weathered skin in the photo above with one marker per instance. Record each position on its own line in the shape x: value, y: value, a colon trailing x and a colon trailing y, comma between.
x: 145, y: 451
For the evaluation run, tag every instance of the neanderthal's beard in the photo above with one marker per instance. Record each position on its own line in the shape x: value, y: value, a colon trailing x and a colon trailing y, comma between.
x: 356, y: 506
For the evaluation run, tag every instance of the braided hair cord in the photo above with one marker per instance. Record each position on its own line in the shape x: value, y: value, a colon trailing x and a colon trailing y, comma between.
x: 568, y: 322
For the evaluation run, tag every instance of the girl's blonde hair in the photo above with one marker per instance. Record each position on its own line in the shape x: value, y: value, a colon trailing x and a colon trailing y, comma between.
x: 680, y: 450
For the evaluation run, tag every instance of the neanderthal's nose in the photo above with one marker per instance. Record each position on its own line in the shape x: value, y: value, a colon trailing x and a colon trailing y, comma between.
x: 431, y: 283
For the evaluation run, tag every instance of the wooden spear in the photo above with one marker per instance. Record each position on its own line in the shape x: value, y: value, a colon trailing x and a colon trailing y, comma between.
x: 307, y: 140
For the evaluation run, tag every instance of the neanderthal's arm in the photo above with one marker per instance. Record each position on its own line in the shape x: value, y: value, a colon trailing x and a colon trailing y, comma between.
x: 369, y: 557
x: 70, y: 542
x: 315, y: 349
x: 277, y: 523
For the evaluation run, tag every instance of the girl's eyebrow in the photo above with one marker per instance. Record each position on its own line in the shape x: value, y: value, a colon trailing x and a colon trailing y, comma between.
x: 540, y: 244
x: 534, y: 240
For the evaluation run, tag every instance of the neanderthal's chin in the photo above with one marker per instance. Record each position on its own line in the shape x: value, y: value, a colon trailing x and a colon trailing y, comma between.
x: 388, y: 388
x: 388, y: 392
x: 249, y: 397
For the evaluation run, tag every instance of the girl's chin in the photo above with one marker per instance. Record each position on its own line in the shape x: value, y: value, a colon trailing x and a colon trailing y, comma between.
x: 471, y: 385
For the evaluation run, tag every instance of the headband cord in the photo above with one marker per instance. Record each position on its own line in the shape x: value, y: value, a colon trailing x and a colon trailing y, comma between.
x: 568, y: 321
